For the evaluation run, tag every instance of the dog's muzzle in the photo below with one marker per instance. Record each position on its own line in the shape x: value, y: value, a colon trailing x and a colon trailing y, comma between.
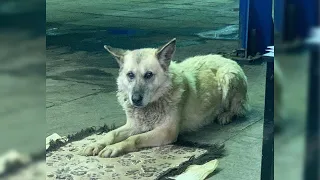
x: 137, y: 100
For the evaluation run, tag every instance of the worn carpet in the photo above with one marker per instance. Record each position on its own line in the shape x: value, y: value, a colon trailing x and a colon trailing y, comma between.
x: 64, y: 162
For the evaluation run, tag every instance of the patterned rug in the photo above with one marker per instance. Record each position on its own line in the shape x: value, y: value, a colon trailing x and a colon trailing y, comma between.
x: 63, y: 161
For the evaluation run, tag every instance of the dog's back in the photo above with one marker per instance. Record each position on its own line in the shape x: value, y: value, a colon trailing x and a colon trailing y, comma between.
x: 214, y: 88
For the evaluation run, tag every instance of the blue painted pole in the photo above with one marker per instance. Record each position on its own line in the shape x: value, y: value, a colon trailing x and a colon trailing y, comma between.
x: 306, y: 16
x: 244, y: 23
x: 261, y: 21
x: 312, y: 147
x: 311, y: 166
x: 256, y: 26
x: 279, y: 12
x: 295, y: 18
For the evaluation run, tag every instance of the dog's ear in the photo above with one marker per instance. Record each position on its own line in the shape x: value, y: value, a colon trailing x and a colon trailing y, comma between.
x: 116, y: 53
x: 165, y: 53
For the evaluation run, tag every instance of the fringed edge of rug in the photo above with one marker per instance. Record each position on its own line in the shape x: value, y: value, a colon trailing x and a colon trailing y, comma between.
x: 214, y: 151
x: 55, y: 145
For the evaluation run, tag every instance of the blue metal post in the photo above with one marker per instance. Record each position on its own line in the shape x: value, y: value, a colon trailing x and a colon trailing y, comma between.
x: 279, y: 11
x: 244, y: 23
x: 256, y: 26
x: 294, y: 18
x: 311, y: 167
x: 306, y: 17
x: 267, y: 161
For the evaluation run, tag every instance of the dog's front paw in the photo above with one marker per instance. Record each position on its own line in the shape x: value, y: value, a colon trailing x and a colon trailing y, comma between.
x: 224, y: 119
x: 112, y: 151
x: 92, y: 149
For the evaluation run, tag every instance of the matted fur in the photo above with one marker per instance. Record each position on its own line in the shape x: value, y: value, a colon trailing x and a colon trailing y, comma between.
x: 178, y: 97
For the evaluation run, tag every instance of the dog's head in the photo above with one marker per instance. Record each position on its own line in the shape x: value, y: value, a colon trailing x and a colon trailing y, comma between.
x: 144, y: 73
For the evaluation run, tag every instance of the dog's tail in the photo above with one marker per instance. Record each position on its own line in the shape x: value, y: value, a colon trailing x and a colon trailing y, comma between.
x: 225, y: 83
x: 233, y: 83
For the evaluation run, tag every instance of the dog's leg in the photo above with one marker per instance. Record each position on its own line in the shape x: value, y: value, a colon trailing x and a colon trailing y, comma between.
x: 156, y: 137
x: 111, y: 137
x: 225, y: 118
x: 237, y: 108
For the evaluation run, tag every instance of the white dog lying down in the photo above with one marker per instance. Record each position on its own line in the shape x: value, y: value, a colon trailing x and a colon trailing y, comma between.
x: 162, y: 98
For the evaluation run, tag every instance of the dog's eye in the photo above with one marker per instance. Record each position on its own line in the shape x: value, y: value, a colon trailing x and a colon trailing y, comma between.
x: 130, y: 75
x: 148, y: 75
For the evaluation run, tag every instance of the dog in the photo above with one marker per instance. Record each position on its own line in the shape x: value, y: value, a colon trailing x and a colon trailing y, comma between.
x: 162, y: 98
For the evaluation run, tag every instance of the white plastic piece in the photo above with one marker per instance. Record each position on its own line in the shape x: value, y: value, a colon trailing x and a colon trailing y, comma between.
x: 314, y: 36
x: 198, y: 172
x: 54, y: 137
x: 270, y: 51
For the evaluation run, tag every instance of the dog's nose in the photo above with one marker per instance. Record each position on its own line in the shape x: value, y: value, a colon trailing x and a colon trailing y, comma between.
x: 137, y: 99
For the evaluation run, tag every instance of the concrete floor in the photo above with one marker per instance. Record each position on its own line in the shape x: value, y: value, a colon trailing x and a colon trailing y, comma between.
x: 81, y: 75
